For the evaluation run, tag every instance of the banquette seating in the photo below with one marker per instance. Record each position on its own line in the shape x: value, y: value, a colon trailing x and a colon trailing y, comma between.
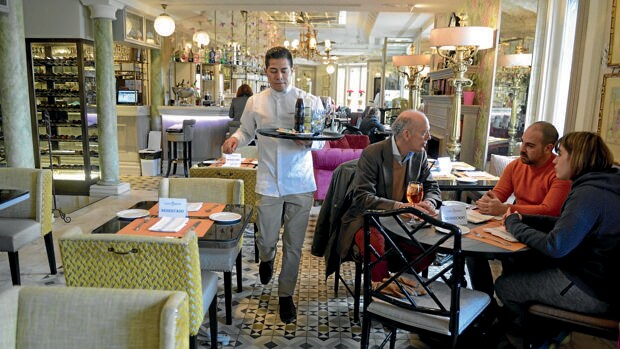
x: 333, y: 154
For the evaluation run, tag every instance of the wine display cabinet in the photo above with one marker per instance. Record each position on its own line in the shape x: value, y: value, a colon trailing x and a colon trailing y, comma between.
x: 64, y: 118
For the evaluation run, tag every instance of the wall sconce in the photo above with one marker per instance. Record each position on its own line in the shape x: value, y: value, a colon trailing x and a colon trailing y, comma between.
x: 164, y: 24
x: 459, y: 45
x: 516, y: 67
x: 416, y: 64
x: 330, y: 69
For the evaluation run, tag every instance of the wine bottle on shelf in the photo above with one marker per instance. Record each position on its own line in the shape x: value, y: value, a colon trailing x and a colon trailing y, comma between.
x: 212, y: 55
x: 190, y: 56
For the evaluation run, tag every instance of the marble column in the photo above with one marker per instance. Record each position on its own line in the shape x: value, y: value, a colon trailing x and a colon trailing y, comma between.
x: 109, y: 183
x: 14, y: 96
x: 157, y: 88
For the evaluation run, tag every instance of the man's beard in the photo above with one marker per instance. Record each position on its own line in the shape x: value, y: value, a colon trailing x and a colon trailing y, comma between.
x: 524, y: 158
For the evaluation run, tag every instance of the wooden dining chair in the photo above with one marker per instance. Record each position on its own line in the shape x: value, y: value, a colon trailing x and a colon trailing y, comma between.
x: 225, y: 191
x: 542, y: 315
x: 436, y: 305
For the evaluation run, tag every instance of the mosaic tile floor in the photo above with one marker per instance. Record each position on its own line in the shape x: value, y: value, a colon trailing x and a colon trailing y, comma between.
x: 324, y: 320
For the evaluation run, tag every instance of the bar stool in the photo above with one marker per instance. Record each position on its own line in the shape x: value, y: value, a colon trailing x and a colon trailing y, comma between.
x: 185, y: 136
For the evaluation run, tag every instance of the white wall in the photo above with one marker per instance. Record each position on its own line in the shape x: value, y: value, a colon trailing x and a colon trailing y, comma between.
x: 57, y: 19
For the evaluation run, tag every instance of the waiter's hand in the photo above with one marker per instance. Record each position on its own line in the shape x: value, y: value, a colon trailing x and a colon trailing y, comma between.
x: 230, y: 145
x: 306, y: 144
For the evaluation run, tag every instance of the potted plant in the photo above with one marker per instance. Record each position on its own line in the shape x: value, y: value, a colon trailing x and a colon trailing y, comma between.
x: 469, y: 92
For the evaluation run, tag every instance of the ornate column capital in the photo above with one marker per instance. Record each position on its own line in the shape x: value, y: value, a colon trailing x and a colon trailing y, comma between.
x: 103, y: 8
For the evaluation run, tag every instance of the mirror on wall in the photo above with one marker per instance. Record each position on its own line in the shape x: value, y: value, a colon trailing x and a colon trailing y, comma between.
x: 510, y: 93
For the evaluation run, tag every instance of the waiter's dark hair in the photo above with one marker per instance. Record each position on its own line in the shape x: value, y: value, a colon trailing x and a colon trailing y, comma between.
x: 277, y: 53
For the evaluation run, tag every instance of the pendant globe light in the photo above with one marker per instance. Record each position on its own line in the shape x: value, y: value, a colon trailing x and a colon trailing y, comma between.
x: 201, y: 37
x: 164, y: 24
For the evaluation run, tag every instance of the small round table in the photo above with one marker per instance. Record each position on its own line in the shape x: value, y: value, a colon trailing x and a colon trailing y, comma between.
x: 324, y: 136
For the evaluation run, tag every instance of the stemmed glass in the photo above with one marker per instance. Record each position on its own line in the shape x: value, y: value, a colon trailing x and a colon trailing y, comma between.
x: 415, y: 192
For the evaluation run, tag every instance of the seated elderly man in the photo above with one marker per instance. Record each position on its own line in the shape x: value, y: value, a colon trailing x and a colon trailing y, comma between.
x: 383, y: 171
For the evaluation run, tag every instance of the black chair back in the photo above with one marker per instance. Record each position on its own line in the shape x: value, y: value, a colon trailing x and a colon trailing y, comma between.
x: 406, y: 299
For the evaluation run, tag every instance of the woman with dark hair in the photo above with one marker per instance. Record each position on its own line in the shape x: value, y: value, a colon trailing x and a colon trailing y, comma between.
x: 578, y: 261
x: 237, y: 106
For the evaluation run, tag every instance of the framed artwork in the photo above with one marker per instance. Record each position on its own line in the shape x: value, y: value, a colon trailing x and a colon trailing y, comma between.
x: 614, y: 38
x: 609, y: 115
x: 4, y: 6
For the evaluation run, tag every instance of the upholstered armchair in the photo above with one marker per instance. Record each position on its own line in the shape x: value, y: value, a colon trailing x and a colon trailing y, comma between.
x: 29, y: 220
x: 226, y: 191
x: 96, y: 318
x: 132, y: 261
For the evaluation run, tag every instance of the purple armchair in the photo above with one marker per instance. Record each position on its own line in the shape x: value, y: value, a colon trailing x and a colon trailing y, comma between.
x: 333, y: 154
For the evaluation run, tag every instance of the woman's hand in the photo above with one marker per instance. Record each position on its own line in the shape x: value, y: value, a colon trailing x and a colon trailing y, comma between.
x: 508, y: 213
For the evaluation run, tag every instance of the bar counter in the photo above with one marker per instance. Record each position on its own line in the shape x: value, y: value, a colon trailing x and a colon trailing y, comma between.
x: 209, y: 133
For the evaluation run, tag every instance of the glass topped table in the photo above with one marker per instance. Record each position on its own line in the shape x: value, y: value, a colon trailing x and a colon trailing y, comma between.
x: 10, y: 197
x: 219, y: 235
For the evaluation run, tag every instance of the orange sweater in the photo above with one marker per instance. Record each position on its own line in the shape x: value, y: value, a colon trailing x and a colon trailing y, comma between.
x: 537, y: 189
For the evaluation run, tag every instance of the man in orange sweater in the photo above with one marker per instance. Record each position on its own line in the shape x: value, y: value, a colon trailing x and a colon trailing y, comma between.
x: 537, y: 190
x: 531, y: 178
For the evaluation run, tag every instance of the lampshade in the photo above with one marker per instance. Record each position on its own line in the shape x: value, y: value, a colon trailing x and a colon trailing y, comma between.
x: 201, y: 37
x: 411, y: 60
x: 330, y: 69
x: 451, y: 37
x: 515, y: 60
x: 164, y: 24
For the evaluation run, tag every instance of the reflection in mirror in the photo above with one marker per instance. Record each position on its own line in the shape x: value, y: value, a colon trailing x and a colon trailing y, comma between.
x: 510, y: 98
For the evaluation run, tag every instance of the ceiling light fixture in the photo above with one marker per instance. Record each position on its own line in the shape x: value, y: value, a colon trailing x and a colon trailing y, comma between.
x: 164, y: 24
x: 201, y: 37
x: 306, y: 46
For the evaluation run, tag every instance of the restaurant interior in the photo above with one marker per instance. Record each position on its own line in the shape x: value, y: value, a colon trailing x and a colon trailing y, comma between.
x: 170, y: 71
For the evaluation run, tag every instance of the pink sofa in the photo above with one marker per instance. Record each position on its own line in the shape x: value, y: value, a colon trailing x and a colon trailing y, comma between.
x: 333, y: 154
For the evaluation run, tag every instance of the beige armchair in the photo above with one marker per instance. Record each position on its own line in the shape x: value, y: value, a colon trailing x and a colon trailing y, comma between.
x: 96, y: 318
x: 145, y: 262
x: 227, y: 191
x: 29, y: 220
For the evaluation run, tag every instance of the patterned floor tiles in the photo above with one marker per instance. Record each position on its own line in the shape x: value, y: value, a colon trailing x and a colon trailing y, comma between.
x: 324, y: 320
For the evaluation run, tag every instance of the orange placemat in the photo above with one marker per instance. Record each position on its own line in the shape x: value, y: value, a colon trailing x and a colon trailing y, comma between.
x: 201, y: 229
x: 207, y: 209
x: 513, y: 246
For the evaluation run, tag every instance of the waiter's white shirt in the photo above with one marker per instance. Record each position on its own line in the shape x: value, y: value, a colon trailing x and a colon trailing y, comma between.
x: 284, y: 168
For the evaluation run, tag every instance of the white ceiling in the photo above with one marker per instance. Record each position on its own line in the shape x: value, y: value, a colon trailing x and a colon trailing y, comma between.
x: 368, y: 21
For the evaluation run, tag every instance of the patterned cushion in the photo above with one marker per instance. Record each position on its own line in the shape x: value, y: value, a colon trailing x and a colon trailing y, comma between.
x: 92, y: 318
x: 126, y: 261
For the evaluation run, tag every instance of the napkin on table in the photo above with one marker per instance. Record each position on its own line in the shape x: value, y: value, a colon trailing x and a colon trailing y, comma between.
x: 169, y: 224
